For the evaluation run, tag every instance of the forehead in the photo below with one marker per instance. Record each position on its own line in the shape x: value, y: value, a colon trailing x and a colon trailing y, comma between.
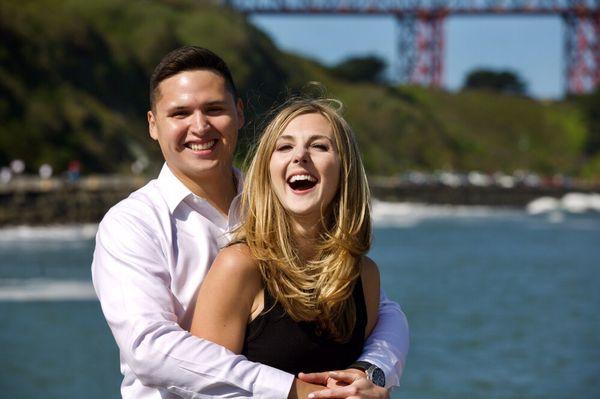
x: 309, y: 124
x: 196, y: 84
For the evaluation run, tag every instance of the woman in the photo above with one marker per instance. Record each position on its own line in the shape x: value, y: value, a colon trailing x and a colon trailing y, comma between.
x: 295, y: 289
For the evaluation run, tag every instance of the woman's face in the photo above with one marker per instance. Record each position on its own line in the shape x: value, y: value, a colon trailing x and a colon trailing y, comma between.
x: 305, y: 167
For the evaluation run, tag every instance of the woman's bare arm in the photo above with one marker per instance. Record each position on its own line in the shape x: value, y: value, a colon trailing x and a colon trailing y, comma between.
x: 227, y: 298
x: 370, y: 281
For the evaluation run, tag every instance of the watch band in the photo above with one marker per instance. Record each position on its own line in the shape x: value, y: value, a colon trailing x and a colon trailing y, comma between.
x: 374, y: 373
x: 360, y: 365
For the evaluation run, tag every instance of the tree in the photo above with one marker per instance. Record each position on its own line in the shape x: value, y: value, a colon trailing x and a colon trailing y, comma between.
x: 365, y: 69
x: 591, y: 109
x: 506, y: 82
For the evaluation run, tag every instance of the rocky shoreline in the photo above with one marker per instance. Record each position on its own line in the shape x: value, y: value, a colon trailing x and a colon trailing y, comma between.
x: 33, y: 201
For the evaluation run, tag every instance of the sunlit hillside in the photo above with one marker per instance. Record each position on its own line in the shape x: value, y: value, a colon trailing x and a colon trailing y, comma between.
x: 73, y: 78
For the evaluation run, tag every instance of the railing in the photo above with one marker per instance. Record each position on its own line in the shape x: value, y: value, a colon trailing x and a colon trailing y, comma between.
x: 404, y: 7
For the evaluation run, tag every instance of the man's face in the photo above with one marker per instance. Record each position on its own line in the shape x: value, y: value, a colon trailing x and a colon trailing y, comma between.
x: 195, y: 121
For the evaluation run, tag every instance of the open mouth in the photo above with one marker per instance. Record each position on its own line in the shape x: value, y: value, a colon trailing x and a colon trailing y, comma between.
x: 302, y: 182
x: 201, y: 146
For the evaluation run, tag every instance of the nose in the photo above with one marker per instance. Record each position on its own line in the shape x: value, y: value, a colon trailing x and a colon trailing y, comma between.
x: 300, y: 155
x: 199, y: 123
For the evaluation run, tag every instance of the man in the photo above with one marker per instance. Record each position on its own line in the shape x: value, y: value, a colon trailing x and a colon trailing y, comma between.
x: 154, y: 248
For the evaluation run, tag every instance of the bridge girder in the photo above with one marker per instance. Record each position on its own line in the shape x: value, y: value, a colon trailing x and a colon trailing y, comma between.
x: 421, y: 37
x: 397, y: 7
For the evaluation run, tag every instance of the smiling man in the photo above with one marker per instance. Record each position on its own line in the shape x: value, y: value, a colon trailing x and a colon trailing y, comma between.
x: 154, y: 248
x: 195, y: 119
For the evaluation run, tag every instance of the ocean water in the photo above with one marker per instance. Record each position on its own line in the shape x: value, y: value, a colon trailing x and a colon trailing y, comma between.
x: 501, y: 304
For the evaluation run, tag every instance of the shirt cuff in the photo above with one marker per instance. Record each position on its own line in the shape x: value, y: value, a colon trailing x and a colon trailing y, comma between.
x: 392, y: 379
x: 273, y: 383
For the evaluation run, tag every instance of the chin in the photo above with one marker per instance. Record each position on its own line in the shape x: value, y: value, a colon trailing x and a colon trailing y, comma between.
x: 304, y: 212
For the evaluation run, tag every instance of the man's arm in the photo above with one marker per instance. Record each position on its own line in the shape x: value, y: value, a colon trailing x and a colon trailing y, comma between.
x: 388, y: 344
x: 132, y: 280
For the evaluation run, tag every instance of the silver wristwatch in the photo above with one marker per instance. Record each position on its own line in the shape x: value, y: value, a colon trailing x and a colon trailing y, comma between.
x: 374, y: 373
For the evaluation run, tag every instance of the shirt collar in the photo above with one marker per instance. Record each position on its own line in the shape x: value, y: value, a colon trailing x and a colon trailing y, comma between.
x: 239, y: 181
x: 174, y: 191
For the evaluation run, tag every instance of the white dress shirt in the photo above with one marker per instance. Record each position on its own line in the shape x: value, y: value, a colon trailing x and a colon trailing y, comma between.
x: 153, y: 249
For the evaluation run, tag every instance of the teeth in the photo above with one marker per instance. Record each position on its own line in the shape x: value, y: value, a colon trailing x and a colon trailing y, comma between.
x: 302, y: 177
x: 204, y: 146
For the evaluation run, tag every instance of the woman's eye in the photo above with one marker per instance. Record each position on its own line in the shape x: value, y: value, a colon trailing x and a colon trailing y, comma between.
x: 284, y: 147
x: 321, y: 147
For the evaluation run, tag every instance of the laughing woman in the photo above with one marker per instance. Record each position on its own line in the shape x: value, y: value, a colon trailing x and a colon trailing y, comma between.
x: 295, y: 290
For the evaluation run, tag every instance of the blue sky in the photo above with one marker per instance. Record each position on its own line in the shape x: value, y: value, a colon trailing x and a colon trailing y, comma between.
x: 531, y: 46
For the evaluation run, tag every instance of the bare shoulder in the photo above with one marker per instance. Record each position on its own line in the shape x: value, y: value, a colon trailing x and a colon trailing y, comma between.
x: 237, y: 254
x: 234, y: 278
x: 236, y: 261
x: 369, y: 271
x: 226, y: 297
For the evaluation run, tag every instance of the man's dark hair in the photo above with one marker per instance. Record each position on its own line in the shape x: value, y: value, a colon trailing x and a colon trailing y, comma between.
x: 189, y: 58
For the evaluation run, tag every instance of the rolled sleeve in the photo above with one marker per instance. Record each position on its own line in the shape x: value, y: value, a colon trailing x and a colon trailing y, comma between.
x: 388, y: 344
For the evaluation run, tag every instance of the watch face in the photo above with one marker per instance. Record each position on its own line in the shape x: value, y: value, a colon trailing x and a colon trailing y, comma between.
x: 377, y: 376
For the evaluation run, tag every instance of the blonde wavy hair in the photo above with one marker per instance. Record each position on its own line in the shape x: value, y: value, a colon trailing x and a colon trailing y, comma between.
x: 317, y: 289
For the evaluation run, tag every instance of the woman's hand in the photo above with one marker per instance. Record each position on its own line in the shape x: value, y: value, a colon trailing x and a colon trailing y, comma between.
x: 350, y: 384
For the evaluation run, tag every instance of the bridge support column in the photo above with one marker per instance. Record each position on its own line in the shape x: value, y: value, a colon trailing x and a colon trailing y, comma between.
x: 421, y: 48
x: 582, y: 51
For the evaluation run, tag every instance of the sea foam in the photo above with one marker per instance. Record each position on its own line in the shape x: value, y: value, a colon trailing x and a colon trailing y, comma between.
x: 75, y: 232
x: 29, y: 290
x: 385, y: 214
x: 406, y: 214
x: 571, y: 203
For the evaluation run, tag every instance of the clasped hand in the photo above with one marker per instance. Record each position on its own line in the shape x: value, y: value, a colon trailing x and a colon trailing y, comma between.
x: 349, y: 384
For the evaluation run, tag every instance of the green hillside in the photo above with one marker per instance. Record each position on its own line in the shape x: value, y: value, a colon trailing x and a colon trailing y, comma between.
x: 73, y: 78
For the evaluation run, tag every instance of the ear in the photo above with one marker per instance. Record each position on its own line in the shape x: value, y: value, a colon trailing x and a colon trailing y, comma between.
x: 152, y: 129
x: 239, y: 107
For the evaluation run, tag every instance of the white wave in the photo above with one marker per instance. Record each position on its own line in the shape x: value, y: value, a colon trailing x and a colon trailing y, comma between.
x: 543, y: 205
x: 45, y: 290
x: 75, y: 232
x: 570, y: 203
x: 407, y: 214
x: 580, y: 203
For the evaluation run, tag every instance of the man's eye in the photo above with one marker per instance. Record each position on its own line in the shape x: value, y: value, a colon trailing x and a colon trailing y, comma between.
x: 179, y: 114
x: 215, y: 111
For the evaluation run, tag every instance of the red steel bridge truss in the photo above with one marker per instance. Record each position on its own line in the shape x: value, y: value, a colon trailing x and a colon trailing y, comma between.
x: 421, y: 33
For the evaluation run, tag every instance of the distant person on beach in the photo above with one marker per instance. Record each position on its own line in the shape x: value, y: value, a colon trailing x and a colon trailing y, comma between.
x: 295, y: 289
x: 154, y: 248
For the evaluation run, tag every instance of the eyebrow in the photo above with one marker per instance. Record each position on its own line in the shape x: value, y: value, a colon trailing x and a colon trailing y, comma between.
x: 312, y: 138
x: 216, y: 102
x: 185, y: 107
x: 178, y: 108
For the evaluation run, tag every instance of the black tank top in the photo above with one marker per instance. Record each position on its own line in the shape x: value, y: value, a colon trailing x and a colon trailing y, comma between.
x: 275, y: 339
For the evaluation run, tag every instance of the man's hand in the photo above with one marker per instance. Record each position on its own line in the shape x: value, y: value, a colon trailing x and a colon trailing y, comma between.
x: 326, y: 379
x: 350, y: 384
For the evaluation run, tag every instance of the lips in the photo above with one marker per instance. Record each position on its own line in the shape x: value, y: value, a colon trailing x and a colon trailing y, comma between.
x: 201, y: 146
x: 302, y: 182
